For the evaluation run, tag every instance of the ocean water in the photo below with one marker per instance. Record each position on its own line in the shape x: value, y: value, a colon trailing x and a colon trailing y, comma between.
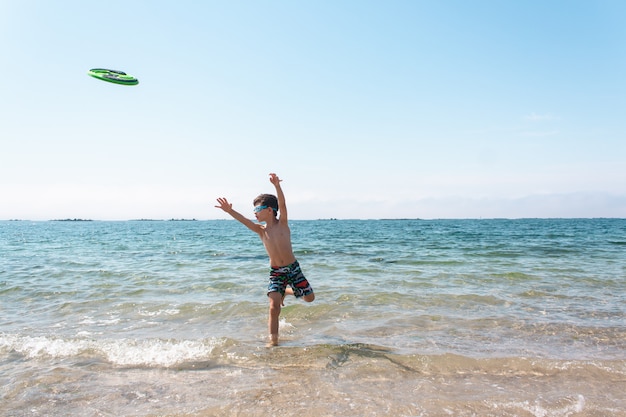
x: 412, y: 318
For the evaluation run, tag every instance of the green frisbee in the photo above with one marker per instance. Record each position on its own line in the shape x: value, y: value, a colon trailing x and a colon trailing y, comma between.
x: 113, y: 76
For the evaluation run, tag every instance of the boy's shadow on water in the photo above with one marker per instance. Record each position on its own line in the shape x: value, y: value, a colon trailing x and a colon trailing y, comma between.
x: 362, y: 350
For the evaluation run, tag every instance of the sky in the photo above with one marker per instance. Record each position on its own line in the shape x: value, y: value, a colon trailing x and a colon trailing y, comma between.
x: 365, y: 109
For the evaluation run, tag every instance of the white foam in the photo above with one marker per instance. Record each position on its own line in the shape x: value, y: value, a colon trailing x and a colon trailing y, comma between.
x: 284, y: 324
x: 40, y: 346
x: 166, y: 312
x: 157, y: 352
x: 574, y: 405
x: 126, y: 352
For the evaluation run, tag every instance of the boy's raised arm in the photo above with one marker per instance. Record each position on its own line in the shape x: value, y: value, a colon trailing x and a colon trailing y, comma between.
x: 228, y: 208
x: 282, y: 206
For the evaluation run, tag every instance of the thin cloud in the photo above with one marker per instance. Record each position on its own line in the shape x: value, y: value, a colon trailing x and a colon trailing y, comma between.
x: 536, y: 117
x: 539, y: 134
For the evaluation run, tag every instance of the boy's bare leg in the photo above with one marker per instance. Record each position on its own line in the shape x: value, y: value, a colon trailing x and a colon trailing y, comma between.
x: 308, y: 298
x: 288, y: 291
x: 276, y: 299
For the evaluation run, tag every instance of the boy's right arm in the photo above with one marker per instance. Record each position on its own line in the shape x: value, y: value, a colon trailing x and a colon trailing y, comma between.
x: 228, y: 208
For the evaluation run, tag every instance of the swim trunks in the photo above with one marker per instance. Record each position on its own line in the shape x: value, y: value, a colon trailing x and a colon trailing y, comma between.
x: 290, y: 275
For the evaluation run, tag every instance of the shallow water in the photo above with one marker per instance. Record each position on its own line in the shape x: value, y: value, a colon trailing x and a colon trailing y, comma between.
x: 429, y: 318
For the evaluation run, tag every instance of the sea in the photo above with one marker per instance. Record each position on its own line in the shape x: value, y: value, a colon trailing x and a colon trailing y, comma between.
x: 485, y: 317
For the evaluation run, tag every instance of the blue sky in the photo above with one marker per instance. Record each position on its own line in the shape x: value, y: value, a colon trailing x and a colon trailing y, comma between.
x: 366, y: 109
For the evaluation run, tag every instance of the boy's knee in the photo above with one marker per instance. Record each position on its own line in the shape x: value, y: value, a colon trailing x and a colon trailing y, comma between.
x: 275, y: 300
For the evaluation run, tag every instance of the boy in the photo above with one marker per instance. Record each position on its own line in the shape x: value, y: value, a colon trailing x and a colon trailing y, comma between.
x: 276, y: 238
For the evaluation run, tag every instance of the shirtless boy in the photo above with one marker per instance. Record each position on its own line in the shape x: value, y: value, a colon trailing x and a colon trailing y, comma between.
x: 276, y: 237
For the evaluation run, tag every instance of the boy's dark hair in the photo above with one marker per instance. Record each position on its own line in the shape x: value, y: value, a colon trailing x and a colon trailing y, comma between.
x: 267, y: 200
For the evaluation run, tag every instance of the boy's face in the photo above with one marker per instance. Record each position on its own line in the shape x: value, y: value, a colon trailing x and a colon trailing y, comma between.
x: 263, y: 213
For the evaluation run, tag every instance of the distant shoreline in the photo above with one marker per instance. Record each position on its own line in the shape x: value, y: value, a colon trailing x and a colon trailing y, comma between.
x: 79, y: 220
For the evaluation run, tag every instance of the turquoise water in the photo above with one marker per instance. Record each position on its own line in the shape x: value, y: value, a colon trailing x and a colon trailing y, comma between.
x: 412, y: 317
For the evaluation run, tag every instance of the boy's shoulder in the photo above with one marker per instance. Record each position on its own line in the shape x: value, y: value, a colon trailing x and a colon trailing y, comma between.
x: 277, y: 226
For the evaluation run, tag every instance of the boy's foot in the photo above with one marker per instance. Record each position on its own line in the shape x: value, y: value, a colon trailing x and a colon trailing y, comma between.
x: 273, y: 340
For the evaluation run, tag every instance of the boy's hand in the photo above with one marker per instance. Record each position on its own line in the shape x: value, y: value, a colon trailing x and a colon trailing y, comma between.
x: 224, y: 204
x: 274, y: 179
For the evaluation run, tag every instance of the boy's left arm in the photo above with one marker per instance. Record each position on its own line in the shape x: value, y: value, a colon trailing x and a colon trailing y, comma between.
x: 282, y: 206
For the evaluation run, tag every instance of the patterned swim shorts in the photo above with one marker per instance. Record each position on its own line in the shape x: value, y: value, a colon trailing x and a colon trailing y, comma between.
x: 289, y: 275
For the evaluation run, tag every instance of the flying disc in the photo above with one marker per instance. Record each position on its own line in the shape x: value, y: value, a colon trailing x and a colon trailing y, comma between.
x: 113, y: 76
